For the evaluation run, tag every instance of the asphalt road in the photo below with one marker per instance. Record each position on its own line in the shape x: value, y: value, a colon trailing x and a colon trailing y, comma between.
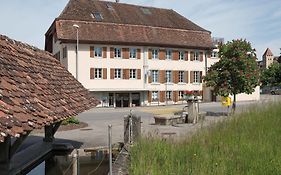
x: 98, y: 120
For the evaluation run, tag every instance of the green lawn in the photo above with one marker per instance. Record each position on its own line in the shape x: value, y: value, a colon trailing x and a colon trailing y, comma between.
x: 249, y: 143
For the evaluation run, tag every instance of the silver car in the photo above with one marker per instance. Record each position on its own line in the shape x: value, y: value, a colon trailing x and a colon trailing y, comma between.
x: 276, y: 91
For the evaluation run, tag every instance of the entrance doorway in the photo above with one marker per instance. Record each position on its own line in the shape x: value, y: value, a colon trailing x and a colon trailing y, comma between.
x: 136, y: 99
x: 122, y: 100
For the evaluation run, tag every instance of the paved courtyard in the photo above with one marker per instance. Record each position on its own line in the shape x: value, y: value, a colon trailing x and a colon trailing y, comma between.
x: 98, y: 120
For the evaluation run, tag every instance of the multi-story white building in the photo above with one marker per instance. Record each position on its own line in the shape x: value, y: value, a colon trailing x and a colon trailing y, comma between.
x: 130, y: 55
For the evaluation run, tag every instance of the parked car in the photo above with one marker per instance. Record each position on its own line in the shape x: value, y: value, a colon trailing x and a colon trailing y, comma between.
x: 276, y: 91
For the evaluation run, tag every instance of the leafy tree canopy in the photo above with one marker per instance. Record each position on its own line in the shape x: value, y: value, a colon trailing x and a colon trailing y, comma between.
x: 272, y: 75
x: 236, y: 72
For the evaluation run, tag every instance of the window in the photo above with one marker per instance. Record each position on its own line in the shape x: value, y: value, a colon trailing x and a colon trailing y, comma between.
x: 98, y: 73
x: 214, y: 54
x: 117, y: 52
x: 133, y: 53
x: 196, y: 77
x: 181, y: 55
x: 155, y: 53
x: 98, y: 52
x: 133, y: 73
x: 155, y: 74
x: 97, y: 16
x: 168, y: 54
x: 181, y: 76
x: 64, y: 52
x: 109, y: 6
x: 168, y: 76
x: 168, y: 95
x: 181, y: 95
x: 196, y: 56
x: 154, y: 96
x: 118, y: 74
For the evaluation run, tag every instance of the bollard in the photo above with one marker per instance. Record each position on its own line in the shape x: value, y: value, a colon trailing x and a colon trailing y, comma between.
x: 132, y: 128
x: 110, y: 148
x: 78, y: 163
x: 75, y: 167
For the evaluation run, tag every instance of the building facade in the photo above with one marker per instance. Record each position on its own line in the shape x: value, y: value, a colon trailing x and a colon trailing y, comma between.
x: 122, y: 76
x: 267, y: 58
x: 131, y: 55
x: 130, y: 59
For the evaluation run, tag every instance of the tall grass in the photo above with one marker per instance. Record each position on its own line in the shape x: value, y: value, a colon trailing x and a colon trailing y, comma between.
x: 248, y: 143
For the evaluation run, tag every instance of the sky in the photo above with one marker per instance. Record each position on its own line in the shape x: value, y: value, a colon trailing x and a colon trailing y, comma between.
x: 258, y: 21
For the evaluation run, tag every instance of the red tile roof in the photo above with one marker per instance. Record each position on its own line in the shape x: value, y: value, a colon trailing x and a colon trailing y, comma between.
x: 105, y: 33
x: 35, y: 90
x: 121, y: 13
x: 128, y: 24
x: 268, y: 52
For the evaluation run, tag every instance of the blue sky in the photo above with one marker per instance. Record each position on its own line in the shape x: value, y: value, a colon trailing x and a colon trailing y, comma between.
x: 259, y: 21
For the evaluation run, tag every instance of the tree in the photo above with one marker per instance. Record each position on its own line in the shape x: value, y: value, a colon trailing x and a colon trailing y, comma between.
x: 272, y: 75
x: 236, y: 72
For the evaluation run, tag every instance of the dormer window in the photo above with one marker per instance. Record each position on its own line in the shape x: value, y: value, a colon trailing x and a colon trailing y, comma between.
x: 109, y: 6
x: 146, y: 11
x: 97, y: 16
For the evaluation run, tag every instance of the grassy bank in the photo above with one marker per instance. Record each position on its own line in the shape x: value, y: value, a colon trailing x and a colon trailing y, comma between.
x: 248, y: 143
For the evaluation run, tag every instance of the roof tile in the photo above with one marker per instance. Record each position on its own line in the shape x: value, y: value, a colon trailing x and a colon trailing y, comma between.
x: 127, y: 25
x: 34, y: 89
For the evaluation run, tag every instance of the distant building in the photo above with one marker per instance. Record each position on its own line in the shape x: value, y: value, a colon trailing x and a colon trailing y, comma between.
x: 267, y: 58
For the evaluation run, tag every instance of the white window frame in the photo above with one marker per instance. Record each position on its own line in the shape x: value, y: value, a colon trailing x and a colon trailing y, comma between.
x: 168, y: 54
x: 196, y: 56
x: 168, y: 76
x: 98, y: 73
x: 155, y: 76
x: 118, y: 74
x: 196, y: 77
x: 154, y: 95
x: 169, y: 95
x: 155, y: 54
x: 181, y: 76
x: 133, y: 53
x: 97, y: 52
x: 117, y: 52
x: 181, y: 55
x: 133, y: 74
x: 214, y: 54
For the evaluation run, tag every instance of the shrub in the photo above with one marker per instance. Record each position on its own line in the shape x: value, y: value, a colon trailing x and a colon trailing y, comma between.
x: 70, y: 121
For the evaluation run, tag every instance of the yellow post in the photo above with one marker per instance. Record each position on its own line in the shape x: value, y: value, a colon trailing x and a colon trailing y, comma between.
x: 226, y: 101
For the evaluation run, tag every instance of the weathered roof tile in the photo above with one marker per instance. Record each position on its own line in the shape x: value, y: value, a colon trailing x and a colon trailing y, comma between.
x: 34, y: 91
x: 127, y: 25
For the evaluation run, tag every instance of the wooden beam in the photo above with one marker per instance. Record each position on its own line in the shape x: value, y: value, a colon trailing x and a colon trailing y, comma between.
x: 50, y: 131
x: 5, y: 156
x: 17, y: 144
x: 56, y: 127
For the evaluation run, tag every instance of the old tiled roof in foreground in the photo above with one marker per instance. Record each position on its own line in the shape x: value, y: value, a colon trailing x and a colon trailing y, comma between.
x: 118, y: 23
x: 35, y: 90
